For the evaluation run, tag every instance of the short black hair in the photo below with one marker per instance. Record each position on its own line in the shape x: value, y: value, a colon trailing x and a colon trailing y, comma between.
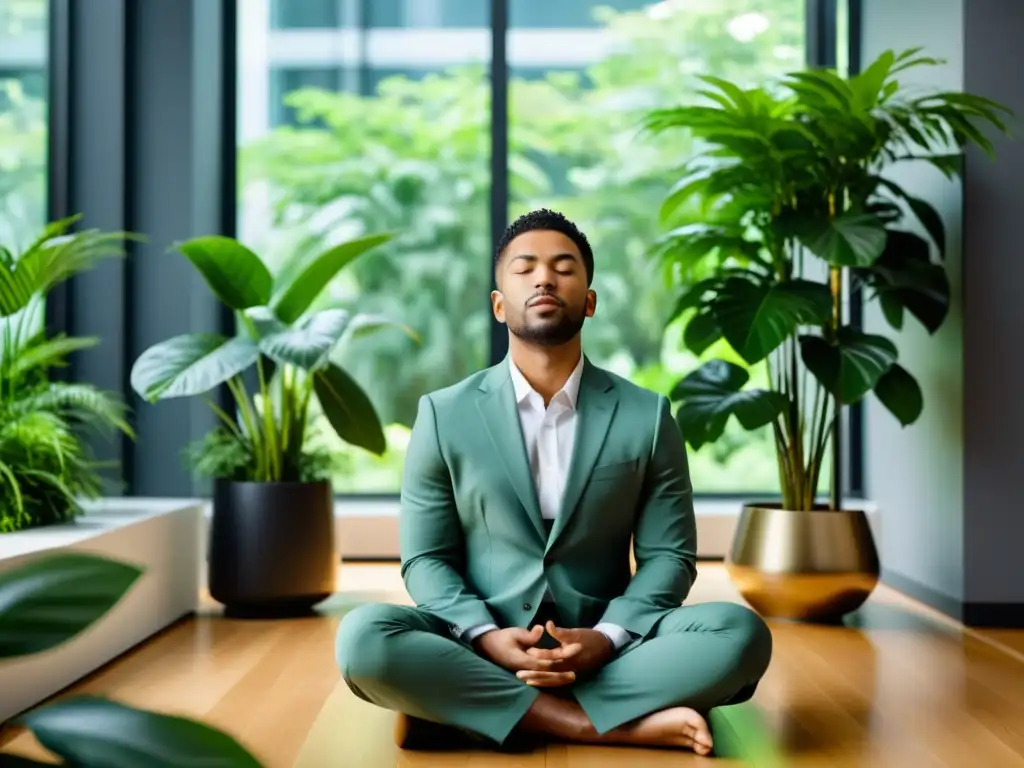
x: 544, y: 218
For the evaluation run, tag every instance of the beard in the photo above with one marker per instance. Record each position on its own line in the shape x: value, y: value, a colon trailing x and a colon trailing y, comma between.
x: 550, y: 333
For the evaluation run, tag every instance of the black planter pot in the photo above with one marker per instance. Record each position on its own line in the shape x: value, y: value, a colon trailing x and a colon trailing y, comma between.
x: 272, y: 551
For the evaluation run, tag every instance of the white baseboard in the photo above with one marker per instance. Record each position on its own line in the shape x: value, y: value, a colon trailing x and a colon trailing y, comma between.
x: 162, y: 536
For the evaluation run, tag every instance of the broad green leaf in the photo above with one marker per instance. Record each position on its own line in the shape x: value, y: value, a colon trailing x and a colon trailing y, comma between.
x: 892, y: 309
x: 300, y: 294
x: 701, y: 332
x: 905, y: 277
x: 900, y: 393
x: 951, y: 166
x: 90, y: 731
x: 52, y: 599
x: 236, y: 275
x: 711, y: 394
x: 191, y: 364
x: 926, y: 214
x: 349, y: 410
x: 693, y: 297
x: 851, y: 367
x: 849, y: 240
x: 308, y: 343
x: 756, y: 318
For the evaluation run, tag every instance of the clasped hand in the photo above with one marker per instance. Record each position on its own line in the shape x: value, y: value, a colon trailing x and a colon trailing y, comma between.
x: 578, y: 651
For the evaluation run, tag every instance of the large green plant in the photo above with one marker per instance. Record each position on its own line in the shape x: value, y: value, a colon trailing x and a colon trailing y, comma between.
x: 47, y: 603
x: 289, y: 344
x: 46, y: 466
x: 795, y: 202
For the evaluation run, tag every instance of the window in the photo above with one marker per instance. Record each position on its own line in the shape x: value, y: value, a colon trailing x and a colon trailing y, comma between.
x: 573, y: 111
x: 23, y: 115
x: 400, y: 141
x: 383, y: 122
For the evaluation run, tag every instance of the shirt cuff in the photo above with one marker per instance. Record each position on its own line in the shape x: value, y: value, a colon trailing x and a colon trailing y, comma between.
x: 474, y: 632
x: 619, y: 637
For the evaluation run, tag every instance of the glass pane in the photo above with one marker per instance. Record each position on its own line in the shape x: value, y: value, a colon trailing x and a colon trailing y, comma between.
x: 580, y: 76
x: 428, y: 13
x: 398, y: 139
x: 305, y: 14
x: 23, y: 116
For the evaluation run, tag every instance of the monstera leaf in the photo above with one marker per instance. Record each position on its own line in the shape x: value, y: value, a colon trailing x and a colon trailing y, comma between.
x: 851, y: 367
x: 756, y: 316
x: 904, y: 278
x: 713, y: 393
x: 848, y: 240
x: 901, y: 395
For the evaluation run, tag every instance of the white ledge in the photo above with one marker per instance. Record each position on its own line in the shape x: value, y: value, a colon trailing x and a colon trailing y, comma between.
x: 162, y: 536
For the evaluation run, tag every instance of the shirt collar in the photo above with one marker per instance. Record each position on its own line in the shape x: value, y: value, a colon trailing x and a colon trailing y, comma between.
x: 523, y: 390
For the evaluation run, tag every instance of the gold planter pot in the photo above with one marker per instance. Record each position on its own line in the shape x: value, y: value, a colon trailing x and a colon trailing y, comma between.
x: 811, y: 566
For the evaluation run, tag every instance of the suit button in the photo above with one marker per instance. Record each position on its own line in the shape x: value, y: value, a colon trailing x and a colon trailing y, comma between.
x: 527, y: 607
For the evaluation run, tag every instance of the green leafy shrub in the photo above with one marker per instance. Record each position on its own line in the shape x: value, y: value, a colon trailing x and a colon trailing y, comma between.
x: 46, y: 466
x: 795, y: 204
x: 277, y: 433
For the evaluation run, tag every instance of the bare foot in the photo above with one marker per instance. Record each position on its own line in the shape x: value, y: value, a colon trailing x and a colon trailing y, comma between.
x: 678, y: 727
x: 675, y: 727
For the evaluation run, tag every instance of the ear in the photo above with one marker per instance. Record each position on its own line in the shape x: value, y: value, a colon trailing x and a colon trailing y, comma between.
x: 498, y: 305
x: 591, y: 302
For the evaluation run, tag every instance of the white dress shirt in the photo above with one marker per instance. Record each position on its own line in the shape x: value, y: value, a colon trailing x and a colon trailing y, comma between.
x: 549, y: 436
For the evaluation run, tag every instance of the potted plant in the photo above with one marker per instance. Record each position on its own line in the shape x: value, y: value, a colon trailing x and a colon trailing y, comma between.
x: 272, y: 549
x: 47, y: 603
x: 784, y: 210
x: 46, y: 466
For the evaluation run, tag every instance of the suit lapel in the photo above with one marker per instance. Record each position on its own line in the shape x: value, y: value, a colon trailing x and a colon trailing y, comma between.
x: 596, y: 406
x: 497, y: 406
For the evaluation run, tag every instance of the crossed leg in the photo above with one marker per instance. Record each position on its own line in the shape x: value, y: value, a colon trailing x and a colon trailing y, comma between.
x: 698, y: 657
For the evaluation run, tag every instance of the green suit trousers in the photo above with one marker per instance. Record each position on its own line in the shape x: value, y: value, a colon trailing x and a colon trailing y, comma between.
x: 403, y: 659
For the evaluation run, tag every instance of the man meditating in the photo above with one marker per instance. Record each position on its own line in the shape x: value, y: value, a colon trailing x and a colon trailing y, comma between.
x: 523, y: 488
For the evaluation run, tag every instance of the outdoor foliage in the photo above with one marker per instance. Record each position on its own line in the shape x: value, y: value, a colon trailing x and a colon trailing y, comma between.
x: 790, y: 182
x: 411, y: 155
x: 46, y: 468
x: 290, y: 344
x: 49, y: 602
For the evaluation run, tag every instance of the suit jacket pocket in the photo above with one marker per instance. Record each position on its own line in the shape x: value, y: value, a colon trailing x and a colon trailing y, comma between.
x: 614, y: 471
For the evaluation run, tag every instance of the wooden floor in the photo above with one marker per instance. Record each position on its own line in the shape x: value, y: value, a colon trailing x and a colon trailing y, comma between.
x: 901, y: 687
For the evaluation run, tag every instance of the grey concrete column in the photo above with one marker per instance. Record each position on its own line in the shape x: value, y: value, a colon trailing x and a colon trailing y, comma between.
x: 150, y: 94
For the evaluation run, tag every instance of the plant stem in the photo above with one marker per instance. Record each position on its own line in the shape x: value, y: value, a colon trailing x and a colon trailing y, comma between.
x: 836, y: 495
x: 250, y: 424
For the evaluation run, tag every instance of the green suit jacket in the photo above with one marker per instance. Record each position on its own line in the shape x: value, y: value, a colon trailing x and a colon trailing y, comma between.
x: 474, y: 547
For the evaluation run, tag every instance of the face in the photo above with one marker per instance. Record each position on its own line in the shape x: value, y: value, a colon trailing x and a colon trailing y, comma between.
x: 542, y: 289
